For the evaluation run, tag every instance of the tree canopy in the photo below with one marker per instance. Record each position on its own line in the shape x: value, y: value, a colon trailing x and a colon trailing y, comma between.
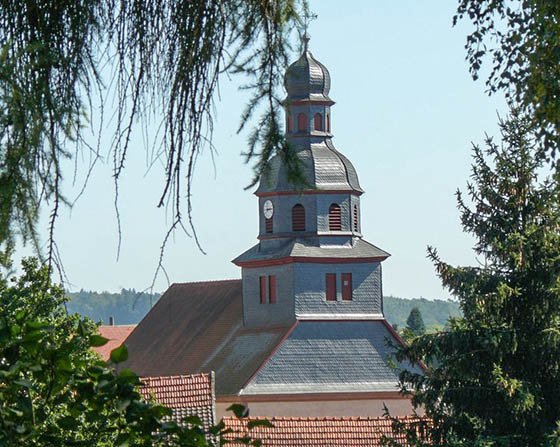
x: 493, y: 376
x: 520, y: 40
x: 160, y: 60
x: 415, y: 323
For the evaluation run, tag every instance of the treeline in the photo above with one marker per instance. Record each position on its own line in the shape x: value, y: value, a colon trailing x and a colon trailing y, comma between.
x: 130, y: 306
x: 435, y: 313
x: 126, y: 307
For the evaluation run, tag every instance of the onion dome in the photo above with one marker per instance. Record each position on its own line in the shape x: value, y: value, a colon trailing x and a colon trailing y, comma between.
x: 307, y: 79
x: 324, y: 169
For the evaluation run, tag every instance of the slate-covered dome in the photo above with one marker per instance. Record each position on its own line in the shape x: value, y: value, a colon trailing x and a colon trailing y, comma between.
x: 325, y: 169
x: 307, y: 78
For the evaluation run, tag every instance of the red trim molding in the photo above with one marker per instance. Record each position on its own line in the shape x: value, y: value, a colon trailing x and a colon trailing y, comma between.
x: 306, y: 260
x: 379, y: 395
x: 308, y: 192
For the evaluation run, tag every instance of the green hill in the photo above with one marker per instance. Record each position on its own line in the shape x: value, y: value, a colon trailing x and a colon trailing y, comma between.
x: 435, y: 313
x: 130, y: 306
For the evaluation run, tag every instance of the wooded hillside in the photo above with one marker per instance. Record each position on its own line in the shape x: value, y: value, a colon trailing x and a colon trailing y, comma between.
x: 130, y: 306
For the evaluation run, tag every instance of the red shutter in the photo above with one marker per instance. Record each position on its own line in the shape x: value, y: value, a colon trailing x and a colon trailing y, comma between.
x: 356, y: 218
x: 298, y: 218
x: 268, y: 225
x: 318, y: 121
x: 302, y: 122
x: 328, y: 123
x: 262, y: 283
x: 346, y: 286
x: 330, y: 279
x: 289, y: 123
x: 272, y: 288
x: 335, y: 222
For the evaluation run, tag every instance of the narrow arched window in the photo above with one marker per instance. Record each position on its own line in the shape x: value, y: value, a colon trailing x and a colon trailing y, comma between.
x: 302, y: 122
x: 328, y: 123
x: 335, y: 222
x: 268, y: 225
x: 289, y: 124
x: 356, y: 218
x: 298, y: 218
x: 318, y: 124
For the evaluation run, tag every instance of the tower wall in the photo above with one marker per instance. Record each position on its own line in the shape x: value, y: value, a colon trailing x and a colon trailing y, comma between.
x: 310, y: 290
x: 281, y: 313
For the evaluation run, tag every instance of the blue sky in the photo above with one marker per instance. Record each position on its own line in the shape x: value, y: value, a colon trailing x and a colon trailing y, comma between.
x: 406, y: 112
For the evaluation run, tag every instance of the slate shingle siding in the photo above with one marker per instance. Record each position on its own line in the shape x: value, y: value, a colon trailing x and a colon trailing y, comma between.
x: 309, y: 287
x: 279, y: 313
x: 329, y: 356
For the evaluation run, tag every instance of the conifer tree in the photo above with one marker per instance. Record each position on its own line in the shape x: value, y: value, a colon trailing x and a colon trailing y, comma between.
x: 494, y: 377
x: 415, y: 322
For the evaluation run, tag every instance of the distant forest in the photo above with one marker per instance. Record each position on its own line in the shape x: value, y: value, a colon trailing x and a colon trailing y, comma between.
x: 130, y: 306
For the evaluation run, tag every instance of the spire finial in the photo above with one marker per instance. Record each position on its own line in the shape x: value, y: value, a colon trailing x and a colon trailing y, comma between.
x: 308, y: 17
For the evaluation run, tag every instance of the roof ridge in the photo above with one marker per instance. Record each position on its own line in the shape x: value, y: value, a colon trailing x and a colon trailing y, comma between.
x: 325, y: 418
x: 211, y: 281
x: 178, y: 376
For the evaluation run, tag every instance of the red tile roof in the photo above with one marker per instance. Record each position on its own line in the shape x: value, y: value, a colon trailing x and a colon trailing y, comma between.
x: 179, y: 391
x: 191, y: 395
x: 116, y: 335
x: 319, y: 432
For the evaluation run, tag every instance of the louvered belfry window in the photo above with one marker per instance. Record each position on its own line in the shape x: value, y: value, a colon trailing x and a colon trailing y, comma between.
x: 335, y: 222
x: 318, y: 124
x: 356, y: 218
x: 302, y: 122
x: 298, y: 218
x: 328, y: 123
x: 268, y: 227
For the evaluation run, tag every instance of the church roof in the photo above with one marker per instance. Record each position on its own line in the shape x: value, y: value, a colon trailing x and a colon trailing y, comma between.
x: 198, y: 327
x: 324, y: 169
x: 331, y: 357
x: 323, y: 431
x: 307, y: 79
x: 310, y: 248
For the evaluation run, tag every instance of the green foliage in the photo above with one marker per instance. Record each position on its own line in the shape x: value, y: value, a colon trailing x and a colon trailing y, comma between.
x: 156, y: 59
x: 415, y: 323
x: 493, y: 377
x: 521, y: 40
x: 54, y: 391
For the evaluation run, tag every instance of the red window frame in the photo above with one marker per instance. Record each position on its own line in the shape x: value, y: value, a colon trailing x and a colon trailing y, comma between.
x: 262, y: 287
x: 272, y: 289
x: 318, y: 121
x: 346, y: 286
x: 330, y: 286
x: 302, y: 122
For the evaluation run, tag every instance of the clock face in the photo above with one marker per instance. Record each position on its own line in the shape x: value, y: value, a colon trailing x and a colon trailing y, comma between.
x: 268, y: 209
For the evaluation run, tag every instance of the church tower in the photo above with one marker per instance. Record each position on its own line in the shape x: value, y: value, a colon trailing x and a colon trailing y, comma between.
x: 303, y: 332
x: 311, y: 261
